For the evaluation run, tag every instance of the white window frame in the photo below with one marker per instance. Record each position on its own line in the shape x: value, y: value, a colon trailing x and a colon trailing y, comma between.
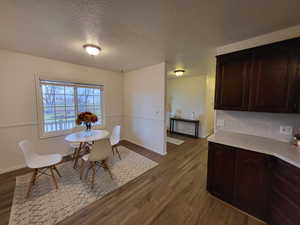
x: 40, y: 113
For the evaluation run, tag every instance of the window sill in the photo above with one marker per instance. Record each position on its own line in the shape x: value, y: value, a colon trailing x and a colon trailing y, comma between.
x: 66, y: 132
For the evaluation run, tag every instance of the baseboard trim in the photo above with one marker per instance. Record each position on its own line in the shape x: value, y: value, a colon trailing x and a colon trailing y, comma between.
x: 22, y: 166
x: 12, y: 169
x: 191, y: 135
x: 144, y: 146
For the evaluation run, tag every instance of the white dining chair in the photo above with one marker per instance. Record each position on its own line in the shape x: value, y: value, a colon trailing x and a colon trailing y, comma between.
x: 40, y: 163
x: 115, y: 140
x: 74, y: 146
x: 97, y: 158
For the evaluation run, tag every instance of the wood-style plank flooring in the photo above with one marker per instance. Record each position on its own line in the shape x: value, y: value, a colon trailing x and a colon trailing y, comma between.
x: 172, y: 193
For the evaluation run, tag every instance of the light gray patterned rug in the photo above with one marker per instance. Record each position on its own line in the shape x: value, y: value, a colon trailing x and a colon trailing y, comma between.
x: 48, y: 206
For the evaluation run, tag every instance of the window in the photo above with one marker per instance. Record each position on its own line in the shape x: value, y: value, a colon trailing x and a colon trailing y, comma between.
x: 62, y: 101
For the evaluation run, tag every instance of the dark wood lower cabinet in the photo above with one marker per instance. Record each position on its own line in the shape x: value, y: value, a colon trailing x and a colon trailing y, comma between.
x: 285, y: 194
x: 221, y: 179
x: 252, y: 179
x: 261, y: 185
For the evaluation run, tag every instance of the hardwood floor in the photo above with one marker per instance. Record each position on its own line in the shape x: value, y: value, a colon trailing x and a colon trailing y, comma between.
x: 174, y: 192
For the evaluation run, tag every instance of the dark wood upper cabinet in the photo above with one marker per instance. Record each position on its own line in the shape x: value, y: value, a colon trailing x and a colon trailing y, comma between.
x: 273, y: 78
x: 252, y: 181
x: 262, y: 79
x: 232, y: 81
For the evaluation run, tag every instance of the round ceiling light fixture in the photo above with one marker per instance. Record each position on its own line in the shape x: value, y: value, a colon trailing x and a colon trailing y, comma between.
x: 179, y: 73
x: 92, y: 49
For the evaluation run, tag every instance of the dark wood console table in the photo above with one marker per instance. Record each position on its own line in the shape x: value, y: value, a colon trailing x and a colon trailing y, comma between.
x: 174, y: 119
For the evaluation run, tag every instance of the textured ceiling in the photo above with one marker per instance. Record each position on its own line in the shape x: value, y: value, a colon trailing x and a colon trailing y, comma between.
x: 137, y: 33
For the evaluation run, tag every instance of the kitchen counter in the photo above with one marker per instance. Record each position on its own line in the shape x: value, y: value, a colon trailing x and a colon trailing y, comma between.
x: 282, y: 150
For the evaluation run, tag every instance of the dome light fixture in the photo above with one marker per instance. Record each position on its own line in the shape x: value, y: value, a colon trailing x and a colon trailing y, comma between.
x: 179, y: 73
x: 92, y: 50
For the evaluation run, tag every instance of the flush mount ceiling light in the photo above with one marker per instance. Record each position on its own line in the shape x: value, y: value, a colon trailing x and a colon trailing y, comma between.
x: 92, y: 49
x: 179, y: 73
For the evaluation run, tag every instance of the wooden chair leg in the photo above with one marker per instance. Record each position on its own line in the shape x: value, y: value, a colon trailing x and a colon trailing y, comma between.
x: 56, y: 170
x: 112, y: 149
x: 83, y: 165
x: 117, y: 150
x: 74, y: 153
x: 32, y: 181
x: 94, y: 172
x: 53, y: 177
x: 77, y: 155
x: 75, y: 158
x: 35, y: 176
x: 88, y: 170
x: 105, y: 167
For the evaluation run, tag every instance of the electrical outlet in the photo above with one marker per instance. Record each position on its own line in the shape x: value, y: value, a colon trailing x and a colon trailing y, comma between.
x: 220, y: 123
x: 287, y: 130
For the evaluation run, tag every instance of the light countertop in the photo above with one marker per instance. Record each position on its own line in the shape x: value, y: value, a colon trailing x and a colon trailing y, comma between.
x: 282, y: 150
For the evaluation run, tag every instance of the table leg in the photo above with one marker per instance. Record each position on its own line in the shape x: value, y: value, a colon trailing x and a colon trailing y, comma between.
x: 77, y: 155
x: 197, y: 130
x: 174, y: 124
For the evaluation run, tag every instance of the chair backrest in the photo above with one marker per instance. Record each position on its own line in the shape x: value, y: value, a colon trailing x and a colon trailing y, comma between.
x: 116, y: 135
x: 101, y: 150
x: 27, y: 149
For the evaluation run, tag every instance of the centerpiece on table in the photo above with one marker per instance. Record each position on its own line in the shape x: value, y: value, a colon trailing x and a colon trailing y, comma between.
x: 87, y: 118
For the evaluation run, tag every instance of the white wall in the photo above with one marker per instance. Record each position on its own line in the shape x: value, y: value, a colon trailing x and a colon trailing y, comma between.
x: 210, y: 94
x: 194, y: 94
x: 144, y: 107
x: 254, y: 123
x: 187, y: 94
x: 18, y: 109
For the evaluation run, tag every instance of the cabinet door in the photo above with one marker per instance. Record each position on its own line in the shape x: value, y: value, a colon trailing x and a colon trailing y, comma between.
x: 285, y: 194
x: 252, y: 182
x: 220, y: 177
x: 232, y: 78
x: 273, y: 82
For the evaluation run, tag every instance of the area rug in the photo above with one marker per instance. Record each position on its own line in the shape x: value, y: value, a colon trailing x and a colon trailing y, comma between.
x: 48, y: 206
x: 174, y: 141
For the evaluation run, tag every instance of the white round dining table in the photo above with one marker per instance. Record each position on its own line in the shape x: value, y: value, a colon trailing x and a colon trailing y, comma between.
x: 84, y: 137
x: 87, y: 136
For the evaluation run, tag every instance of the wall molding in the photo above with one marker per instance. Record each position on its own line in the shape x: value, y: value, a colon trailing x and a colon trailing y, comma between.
x: 19, y: 124
x: 35, y: 123
x: 144, y: 117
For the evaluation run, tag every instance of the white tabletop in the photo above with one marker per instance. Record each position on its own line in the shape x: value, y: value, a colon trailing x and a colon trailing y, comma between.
x: 87, y: 136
